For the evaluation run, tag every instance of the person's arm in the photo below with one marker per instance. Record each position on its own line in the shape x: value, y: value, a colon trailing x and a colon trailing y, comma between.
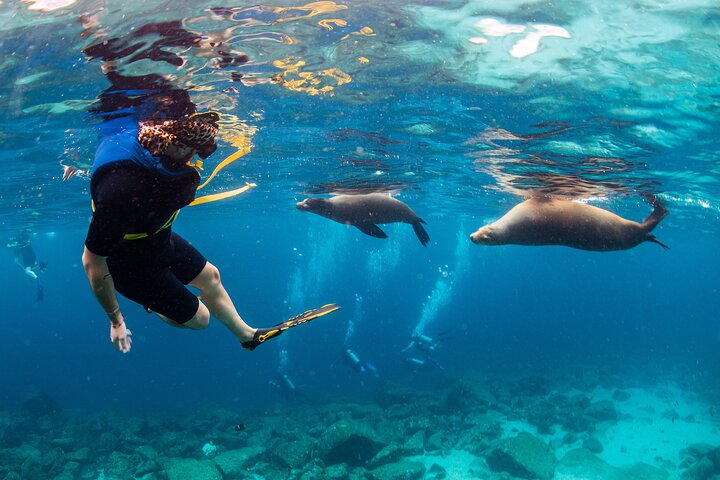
x: 98, y: 274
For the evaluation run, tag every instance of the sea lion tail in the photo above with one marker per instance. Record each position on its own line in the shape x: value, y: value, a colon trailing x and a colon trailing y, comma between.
x: 652, y: 238
x: 659, y: 212
x: 420, y: 232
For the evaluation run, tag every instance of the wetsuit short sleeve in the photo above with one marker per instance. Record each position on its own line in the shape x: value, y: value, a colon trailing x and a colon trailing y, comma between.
x: 106, y: 229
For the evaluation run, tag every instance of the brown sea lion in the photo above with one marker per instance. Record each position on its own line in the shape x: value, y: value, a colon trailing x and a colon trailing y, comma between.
x: 552, y: 221
x: 365, y: 212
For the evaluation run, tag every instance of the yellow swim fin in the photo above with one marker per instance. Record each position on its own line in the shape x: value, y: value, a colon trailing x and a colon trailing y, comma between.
x: 264, y: 334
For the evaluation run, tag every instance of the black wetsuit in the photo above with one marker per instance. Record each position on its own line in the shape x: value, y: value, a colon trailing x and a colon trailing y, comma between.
x: 151, y: 271
x: 27, y: 254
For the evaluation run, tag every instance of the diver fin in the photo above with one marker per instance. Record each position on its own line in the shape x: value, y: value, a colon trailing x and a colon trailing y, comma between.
x: 421, y: 233
x: 264, y: 334
x: 652, y: 238
x: 371, y: 229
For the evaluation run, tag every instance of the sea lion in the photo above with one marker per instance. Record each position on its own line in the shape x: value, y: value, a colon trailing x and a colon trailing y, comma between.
x: 365, y: 212
x: 552, y: 221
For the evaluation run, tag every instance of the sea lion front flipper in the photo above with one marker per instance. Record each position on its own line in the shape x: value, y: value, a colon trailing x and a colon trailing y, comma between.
x: 371, y: 229
x: 421, y: 233
x: 659, y: 212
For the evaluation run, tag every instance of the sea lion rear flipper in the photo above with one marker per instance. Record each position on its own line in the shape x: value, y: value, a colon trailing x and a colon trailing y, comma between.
x: 371, y: 229
x: 421, y: 233
x: 652, y: 238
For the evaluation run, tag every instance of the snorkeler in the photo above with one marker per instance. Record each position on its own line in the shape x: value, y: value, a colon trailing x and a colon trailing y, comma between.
x: 26, y: 259
x: 143, y: 174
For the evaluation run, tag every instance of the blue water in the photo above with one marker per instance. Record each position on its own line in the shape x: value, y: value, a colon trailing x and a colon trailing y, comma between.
x: 456, y: 128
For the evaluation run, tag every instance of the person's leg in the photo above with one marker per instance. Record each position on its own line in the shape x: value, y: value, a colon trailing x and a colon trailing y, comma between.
x: 159, y: 291
x: 219, y: 302
x: 199, y: 321
x: 191, y: 268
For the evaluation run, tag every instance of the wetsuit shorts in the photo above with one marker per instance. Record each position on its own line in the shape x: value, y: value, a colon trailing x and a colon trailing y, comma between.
x: 158, y: 282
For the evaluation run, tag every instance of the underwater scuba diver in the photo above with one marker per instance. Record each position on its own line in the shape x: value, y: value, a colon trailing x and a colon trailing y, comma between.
x: 281, y: 382
x: 283, y: 385
x: 142, y: 175
x: 421, y: 348
x: 362, y: 367
x: 423, y: 343
x: 26, y: 259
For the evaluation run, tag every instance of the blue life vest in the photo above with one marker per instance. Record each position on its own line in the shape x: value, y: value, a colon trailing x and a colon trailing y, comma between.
x: 118, y: 141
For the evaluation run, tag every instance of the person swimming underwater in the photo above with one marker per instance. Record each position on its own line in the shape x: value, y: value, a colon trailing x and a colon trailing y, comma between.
x: 25, y: 258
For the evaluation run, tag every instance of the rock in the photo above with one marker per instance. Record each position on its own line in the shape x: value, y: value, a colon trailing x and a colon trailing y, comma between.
x: 147, y: 468
x: 188, y: 468
x: 487, y: 425
x: 602, y: 411
x: 714, y: 455
x: 40, y: 405
x: 593, y: 445
x: 575, y: 402
x: 405, y: 470
x: 436, y: 472
x: 702, y: 470
x: 53, y: 462
x: 348, y: 441
x: 643, y: 471
x: 105, y: 443
x: 294, y: 454
x: 542, y: 415
x: 13, y: 476
x: 389, y: 454
x: 31, y: 468
x: 581, y: 463
x: 415, y: 445
x: 530, y: 387
x: 437, y: 442
x: 120, y: 465
x: 336, y: 472
x: 146, y: 451
x: 14, y: 457
x: 465, y: 395
x: 81, y: 455
x: 396, y: 395
x: 523, y: 456
x: 578, y: 422
x: 70, y: 472
x: 234, y: 463
x: 620, y: 395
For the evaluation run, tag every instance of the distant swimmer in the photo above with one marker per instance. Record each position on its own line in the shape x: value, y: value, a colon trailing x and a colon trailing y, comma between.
x: 365, y: 212
x: 26, y: 259
x: 552, y: 221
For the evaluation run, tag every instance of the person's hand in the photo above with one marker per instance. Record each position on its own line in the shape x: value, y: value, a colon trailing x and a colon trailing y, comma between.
x: 121, y: 336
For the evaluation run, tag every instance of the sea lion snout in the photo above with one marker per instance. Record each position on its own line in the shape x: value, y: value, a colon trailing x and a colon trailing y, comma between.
x: 483, y: 236
x: 315, y: 204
